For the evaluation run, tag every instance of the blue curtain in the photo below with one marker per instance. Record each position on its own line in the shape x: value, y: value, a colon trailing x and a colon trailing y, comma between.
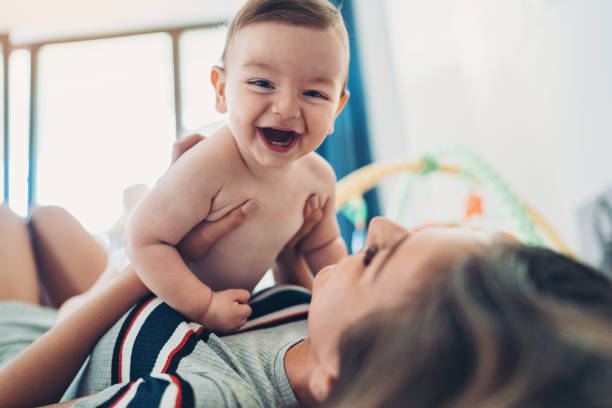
x: 348, y: 148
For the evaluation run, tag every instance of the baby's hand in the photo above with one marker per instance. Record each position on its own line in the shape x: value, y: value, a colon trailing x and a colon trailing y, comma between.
x: 227, y: 311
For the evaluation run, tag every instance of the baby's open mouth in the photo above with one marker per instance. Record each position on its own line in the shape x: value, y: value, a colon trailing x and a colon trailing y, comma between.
x: 281, y: 138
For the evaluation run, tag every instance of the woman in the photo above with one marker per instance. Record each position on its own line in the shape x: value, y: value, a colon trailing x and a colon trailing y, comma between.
x: 305, y: 365
x: 513, y: 327
x: 297, y: 362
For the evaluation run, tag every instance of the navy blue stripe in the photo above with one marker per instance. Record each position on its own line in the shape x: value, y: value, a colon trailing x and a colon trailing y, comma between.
x: 204, y: 335
x: 277, y: 323
x: 184, y: 351
x: 149, y: 393
x: 278, y: 301
x: 124, y: 327
x: 187, y: 391
x: 115, y: 396
x: 153, y: 335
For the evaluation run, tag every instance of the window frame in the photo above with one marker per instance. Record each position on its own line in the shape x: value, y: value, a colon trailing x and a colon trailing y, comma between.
x: 174, y: 33
x: 4, y: 40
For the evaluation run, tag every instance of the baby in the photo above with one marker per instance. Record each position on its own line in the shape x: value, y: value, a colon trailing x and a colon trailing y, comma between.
x: 282, y: 84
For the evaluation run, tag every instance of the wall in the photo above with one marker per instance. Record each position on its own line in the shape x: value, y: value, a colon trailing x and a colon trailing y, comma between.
x: 30, y: 21
x: 525, y: 83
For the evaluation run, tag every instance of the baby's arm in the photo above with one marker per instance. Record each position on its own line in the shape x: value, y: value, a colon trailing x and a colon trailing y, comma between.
x: 177, y: 203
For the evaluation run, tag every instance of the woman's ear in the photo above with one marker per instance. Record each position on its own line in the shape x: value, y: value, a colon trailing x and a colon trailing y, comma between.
x: 321, y: 383
x: 217, y: 78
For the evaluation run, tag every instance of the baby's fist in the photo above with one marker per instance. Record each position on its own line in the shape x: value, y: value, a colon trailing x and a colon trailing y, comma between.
x: 228, y: 311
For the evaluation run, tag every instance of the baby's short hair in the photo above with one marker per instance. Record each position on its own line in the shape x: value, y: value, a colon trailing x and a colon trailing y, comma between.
x: 319, y: 14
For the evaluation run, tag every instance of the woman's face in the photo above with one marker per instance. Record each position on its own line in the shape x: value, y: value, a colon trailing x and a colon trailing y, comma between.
x: 400, y: 263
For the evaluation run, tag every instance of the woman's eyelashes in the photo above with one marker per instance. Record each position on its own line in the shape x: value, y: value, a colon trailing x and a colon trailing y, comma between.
x: 370, y: 252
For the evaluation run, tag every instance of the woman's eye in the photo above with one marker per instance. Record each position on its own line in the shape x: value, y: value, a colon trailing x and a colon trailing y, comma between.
x: 261, y: 83
x: 315, y: 94
x: 369, y: 254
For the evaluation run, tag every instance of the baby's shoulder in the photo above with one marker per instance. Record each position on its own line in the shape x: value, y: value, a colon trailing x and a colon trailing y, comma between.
x: 218, y: 149
x: 314, y: 165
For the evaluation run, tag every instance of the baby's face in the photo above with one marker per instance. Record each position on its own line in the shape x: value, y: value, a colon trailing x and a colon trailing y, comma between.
x: 282, y: 87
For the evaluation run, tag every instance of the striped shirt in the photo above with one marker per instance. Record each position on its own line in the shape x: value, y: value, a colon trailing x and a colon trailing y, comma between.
x: 153, y: 357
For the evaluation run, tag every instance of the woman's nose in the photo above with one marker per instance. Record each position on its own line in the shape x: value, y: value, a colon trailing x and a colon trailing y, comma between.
x: 323, y: 274
x: 286, y: 106
x: 382, y: 230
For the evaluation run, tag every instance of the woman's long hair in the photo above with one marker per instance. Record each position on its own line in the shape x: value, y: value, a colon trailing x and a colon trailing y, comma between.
x: 516, y: 327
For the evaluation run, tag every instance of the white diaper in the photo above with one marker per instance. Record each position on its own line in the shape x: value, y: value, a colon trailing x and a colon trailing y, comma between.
x: 117, y: 261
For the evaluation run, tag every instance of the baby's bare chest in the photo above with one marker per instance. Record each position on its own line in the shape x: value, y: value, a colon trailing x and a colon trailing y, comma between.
x: 240, y: 258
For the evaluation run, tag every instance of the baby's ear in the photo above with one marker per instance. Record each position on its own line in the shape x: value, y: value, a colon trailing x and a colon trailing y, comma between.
x: 217, y: 77
x: 321, y: 383
x: 341, y: 104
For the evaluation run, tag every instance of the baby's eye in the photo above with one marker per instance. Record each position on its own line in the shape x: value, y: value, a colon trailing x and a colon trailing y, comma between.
x: 369, y: 254
x: 315, y: 94
x: 261, y: 83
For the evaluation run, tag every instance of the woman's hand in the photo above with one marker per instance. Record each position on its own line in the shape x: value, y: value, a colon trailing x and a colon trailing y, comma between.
x: 197, y: 242
x: 183, y: 144
x: 291, y: 267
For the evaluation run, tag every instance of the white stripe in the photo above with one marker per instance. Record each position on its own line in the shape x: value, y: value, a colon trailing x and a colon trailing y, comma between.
x: 129, y: 396
x: 195, y: 326
x: 175, y: 339
x: 128, y: 345
x: 275, y: 316
x: 276, y: 289
x: 171, y: 392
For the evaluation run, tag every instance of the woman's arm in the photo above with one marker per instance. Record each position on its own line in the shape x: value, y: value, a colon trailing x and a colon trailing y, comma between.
x: 52, y: 361
x: 42, y: 372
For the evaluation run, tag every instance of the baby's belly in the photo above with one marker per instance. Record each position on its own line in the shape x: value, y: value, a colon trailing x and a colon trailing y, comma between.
x: 238, y: 260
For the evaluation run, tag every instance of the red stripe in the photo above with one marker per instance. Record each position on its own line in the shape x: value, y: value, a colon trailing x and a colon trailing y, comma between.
x: 180, y: 346
x: 179, y: 394
x: 278, y: 319
x: 176, y: 349
x: 122, y: 395
x: 126, y: 334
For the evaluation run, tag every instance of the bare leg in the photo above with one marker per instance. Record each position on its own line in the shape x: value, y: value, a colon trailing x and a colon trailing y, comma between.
x: 69, y: 259
x: 18, y: 278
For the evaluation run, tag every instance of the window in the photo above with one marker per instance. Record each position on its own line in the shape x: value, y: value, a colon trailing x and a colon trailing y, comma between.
x: 3, y: 136
x: 200, y: 50
x: 105, y: 122
x: 19, y: 111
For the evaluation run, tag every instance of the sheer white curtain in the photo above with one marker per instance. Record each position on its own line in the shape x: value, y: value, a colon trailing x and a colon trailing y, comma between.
x: 105, y: 122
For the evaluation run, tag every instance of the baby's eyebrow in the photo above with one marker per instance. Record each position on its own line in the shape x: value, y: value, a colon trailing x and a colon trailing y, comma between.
x: 323, y: 80
x: 390, y: 254
x: 260, y: 65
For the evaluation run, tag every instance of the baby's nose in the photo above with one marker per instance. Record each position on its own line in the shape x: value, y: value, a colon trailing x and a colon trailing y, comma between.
x: 286, y: 106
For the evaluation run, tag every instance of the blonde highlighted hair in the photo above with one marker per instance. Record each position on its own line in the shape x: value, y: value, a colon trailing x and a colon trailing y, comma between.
x: 516, y: 327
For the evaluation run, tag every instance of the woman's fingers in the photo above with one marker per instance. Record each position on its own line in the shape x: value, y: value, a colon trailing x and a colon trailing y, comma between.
x: 313, y: 212
x: 185, y: 143
x: 195, y: 244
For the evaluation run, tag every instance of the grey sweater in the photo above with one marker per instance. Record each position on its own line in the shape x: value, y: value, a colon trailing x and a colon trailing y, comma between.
x: 153, y: 357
